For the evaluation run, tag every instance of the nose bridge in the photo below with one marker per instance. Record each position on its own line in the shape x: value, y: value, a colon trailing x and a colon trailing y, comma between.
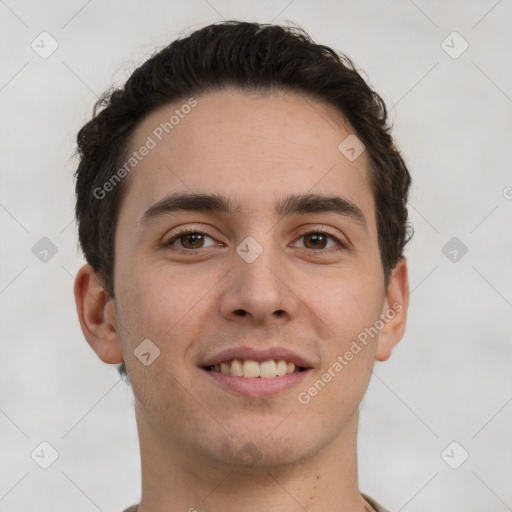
x: 258, y: 287
x: 259, y: 265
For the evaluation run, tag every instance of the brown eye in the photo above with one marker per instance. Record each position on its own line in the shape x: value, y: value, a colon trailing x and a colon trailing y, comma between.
x: 318, y: 240
x: 190, y: 240
x: 315, y: 241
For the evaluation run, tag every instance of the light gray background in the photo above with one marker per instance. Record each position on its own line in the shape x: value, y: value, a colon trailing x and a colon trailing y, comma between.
x: 450, y: 377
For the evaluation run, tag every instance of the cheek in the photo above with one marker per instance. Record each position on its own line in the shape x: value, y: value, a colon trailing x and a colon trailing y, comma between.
x: 151, y: 308
x: 153, y: 304
x: 349, y: 307
x: 339, y: 385
x: 351, y: 312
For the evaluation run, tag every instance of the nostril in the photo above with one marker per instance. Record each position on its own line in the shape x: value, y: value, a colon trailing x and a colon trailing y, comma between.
x: 240, y: 312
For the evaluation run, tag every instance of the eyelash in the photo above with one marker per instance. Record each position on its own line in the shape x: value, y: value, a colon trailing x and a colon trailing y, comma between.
x: 188, y: 231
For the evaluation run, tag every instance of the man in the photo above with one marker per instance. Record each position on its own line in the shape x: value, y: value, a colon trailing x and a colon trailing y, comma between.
x: 242, y: 209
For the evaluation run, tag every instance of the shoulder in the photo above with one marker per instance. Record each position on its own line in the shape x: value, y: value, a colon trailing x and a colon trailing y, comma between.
x: 377, y: 506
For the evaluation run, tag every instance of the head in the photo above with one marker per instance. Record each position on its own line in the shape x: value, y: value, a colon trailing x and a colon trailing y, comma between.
x: 255, y: 114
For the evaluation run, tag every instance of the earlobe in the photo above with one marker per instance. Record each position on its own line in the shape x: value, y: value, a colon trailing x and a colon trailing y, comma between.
x: 394, y: 312
x: 97, y: 315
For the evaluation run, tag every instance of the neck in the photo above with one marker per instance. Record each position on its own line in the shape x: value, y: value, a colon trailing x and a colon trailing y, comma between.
x: 174, y: 479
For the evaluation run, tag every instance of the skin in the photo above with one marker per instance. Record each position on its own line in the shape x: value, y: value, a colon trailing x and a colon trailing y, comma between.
x: 255, y: 149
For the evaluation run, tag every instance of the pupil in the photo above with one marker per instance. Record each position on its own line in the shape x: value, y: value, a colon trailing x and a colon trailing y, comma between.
x: 316, y: 239
x: 197, y: 237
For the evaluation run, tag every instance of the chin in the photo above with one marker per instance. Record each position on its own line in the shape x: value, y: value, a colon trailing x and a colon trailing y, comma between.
x: 250, y: 452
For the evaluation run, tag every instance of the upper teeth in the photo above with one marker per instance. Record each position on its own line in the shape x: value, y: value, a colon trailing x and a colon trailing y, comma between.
x: 251, y: 369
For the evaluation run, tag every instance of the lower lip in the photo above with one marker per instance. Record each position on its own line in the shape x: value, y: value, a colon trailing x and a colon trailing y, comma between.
x: 258, y: 386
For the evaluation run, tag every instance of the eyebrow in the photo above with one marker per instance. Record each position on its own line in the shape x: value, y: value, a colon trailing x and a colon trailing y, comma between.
x: 290, y: 205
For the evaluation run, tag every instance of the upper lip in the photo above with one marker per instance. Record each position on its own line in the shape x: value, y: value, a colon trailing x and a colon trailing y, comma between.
x: 242, y: 353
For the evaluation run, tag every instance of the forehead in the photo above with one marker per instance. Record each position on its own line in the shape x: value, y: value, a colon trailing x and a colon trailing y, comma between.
x: 252, y: 148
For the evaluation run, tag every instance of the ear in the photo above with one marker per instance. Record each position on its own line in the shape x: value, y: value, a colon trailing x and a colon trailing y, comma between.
x: 97, y: 314
x: 394, y: 311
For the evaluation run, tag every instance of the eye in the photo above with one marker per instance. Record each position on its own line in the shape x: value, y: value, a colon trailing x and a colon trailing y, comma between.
x: 318, y: 239
x: 190, y: 239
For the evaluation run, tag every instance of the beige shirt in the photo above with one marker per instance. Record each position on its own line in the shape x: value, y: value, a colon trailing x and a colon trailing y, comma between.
x: 371, y: 501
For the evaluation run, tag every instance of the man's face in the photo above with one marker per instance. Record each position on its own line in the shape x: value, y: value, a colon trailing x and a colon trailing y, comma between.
x: 196, y: 297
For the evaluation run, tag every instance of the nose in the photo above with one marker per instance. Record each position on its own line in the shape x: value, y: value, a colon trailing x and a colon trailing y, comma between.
x: 260, y: 292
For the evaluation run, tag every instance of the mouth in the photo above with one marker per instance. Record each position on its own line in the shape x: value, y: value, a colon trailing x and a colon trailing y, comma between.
x: 251, y: 369
x: 257, y: 373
